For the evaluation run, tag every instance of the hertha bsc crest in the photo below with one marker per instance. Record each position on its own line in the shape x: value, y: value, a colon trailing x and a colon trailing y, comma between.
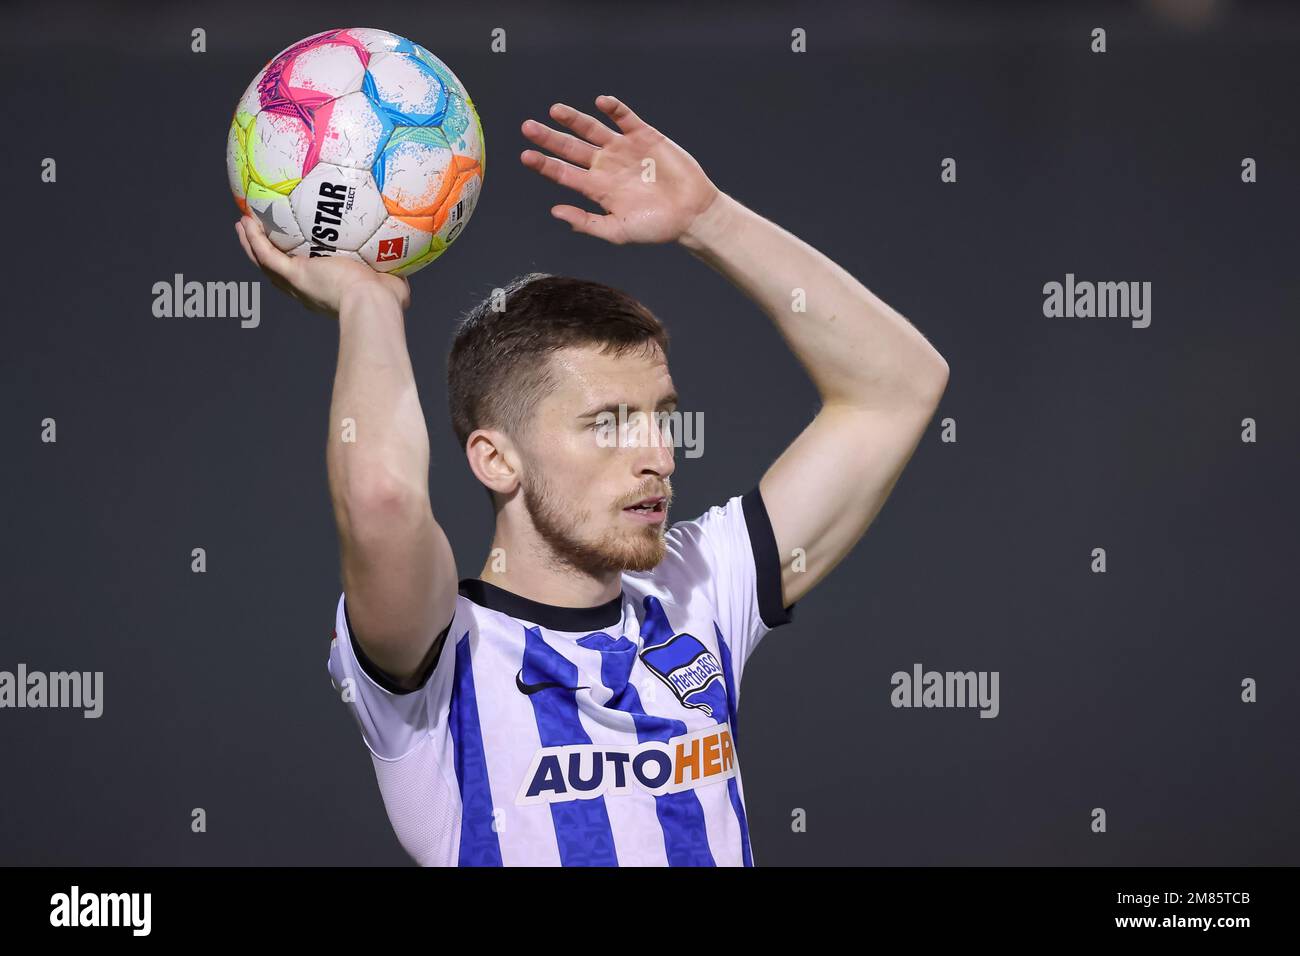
x: 679, y: 660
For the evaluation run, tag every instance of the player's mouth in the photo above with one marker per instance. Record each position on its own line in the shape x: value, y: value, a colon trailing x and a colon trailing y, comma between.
x: 648, y: 510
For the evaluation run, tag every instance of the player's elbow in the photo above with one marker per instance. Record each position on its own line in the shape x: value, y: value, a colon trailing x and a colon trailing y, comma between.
x: 923, y: 378
x: 378, y: 504
x: 938, y: 381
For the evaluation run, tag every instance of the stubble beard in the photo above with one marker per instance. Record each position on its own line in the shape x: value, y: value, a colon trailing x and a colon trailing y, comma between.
x: 560, y: 524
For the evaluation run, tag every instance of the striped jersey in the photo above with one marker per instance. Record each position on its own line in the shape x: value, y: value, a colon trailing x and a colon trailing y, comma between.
x: 595, y: 736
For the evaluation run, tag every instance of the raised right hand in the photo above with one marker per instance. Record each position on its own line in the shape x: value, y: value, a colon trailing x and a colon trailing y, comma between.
x: 320, y: 283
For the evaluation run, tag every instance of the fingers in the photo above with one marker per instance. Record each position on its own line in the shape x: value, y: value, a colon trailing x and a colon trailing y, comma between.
x: 276, y: 281
x: 588, y: 223
x: 243, y: 241
x: 620, y: 113
x: 249, y: 231
x: 588, y: 127
x: 574, y: 177
x: 270, y: 259
x: 561, y: 144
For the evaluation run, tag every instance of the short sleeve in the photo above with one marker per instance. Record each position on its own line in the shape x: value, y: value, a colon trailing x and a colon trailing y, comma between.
x: 734, y: 546
x: 393, y: 720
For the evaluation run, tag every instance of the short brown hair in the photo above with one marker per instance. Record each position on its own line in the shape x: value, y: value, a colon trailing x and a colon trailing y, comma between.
x: 499, y: 365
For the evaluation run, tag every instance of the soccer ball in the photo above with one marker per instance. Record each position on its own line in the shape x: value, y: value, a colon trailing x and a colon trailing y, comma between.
x: 357, y: 143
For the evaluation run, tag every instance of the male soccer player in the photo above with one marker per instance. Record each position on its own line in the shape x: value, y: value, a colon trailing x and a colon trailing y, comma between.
x: 575, y: 704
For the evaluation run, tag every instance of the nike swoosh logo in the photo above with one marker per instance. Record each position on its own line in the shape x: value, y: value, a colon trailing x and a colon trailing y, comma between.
x: 544, y: 685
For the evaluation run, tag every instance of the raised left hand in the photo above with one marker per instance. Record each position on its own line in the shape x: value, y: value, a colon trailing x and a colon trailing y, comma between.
x: 650, y: 188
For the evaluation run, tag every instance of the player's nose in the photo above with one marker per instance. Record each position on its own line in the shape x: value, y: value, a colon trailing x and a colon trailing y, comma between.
x: 656, y: 458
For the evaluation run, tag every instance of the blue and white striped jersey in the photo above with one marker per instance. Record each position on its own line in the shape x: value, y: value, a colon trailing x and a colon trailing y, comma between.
x: 598, y: 736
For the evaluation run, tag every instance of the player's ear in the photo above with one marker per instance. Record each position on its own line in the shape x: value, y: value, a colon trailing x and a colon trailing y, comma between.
x: 494, y: 460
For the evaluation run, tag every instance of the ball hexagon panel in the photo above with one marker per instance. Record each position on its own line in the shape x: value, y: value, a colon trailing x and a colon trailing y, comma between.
x: 323, y: 72
x: 337, y: 208
x: 413, y: 171
x: 406, y: 89
x: 398, y: 242
x: 350, y: 131
x: 313, y: 72
x: 449, y: 79
x: 277, y: 147
x: 275, y: 212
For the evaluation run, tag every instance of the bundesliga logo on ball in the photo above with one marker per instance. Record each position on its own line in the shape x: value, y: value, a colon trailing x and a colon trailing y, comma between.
x: 357, y: 143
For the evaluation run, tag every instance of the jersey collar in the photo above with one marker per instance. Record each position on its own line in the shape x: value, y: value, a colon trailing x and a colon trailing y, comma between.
x: 548, y: 616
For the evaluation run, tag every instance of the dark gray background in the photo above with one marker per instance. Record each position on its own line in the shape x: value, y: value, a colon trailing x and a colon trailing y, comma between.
x: 1118, y: 691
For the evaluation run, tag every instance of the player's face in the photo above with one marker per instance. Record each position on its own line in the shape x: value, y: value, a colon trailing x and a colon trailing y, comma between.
x: 585, y: 471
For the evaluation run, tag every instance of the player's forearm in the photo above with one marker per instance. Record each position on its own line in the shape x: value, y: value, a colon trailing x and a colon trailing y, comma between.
x: 398, y: 569
x: 856, y: 349
x: 378, y: 452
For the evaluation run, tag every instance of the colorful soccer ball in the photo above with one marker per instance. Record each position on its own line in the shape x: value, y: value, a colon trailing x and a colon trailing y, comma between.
x: 358, y: 143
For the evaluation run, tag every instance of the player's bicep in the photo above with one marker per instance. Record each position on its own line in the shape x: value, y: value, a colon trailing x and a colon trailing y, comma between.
x: 399, y: 575
x: 827, y: 487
